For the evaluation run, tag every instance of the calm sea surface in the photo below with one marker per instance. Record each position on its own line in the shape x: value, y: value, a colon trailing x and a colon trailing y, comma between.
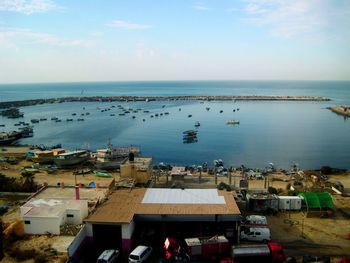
x: 278, y: 132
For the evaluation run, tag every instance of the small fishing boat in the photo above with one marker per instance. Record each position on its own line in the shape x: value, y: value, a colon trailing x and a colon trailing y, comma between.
x: 103, y: 174
x: 221, y: 111
x: 166, y: 113
x: 207, y: 108
x: 34, y: 121
x: 112, y: 114
x: 189, y: 115
x: 133, y: 117
x: 80, y: 119
x: 73, y: 114
x: 232, y: 122
x: 69, y: 119
x: 190, y: 132
x: 58, y: 120
x: 197, y: 124
x: 54, y: 118
x: 43, y: 119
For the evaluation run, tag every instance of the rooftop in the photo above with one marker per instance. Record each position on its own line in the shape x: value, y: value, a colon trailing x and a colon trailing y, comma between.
x: 123, y: 204
x: 49, y: 207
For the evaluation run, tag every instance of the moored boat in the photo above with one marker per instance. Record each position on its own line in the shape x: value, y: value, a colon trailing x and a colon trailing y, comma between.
x: 232, y: 122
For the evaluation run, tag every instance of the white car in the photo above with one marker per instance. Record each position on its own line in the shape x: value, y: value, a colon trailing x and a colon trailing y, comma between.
x: 256, y: 234
x: 108, y: 256
x: 140, y: 254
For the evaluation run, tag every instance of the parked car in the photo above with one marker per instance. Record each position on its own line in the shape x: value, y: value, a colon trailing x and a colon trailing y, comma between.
x: 256, y: 234
x: 108, y: 256
x: 140, y: 254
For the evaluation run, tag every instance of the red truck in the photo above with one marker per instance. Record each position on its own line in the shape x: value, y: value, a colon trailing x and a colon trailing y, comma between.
x: 263, y: 253
x: 205, y: 249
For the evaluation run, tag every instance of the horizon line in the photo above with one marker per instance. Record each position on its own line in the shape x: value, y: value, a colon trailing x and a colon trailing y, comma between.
x: 176, y: 80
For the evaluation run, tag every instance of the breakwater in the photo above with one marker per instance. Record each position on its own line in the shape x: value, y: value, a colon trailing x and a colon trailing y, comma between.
x: 341, y: 110
x: 22, y: 103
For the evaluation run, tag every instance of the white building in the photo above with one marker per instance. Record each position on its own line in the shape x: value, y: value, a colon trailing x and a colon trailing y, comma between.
x: 42, y: 216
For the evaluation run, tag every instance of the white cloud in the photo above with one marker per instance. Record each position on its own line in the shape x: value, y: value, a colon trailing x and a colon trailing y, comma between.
x: 15, y: 36
x: 298, y: 17
x: 200, y: 6
x: 28, y: 6
x: 128, y: 25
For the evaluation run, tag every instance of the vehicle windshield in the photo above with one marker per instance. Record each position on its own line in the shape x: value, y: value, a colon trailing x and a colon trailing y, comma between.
x: 134, y: 257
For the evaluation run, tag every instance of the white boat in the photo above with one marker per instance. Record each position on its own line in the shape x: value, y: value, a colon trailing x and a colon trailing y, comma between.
x: 113, y: 157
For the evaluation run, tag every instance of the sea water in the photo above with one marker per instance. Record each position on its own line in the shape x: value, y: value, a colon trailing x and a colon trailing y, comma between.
x: 269, y: 131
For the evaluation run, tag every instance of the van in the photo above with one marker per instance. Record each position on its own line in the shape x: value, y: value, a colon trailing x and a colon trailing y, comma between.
x: 108, y: 256
x: 256, y: 234
x: 140, y: 254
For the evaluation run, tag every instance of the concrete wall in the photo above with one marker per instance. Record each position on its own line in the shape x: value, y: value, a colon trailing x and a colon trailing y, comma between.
x: 128, y: 230
x: 128, y: 170
x: 42, y: 225
x: 73, y: 217
x: 79, y: 214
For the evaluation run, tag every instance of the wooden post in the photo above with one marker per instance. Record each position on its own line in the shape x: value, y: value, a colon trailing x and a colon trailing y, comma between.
x: 230, y: 177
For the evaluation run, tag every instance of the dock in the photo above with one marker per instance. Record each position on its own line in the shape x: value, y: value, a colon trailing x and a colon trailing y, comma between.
x: 22, y: 103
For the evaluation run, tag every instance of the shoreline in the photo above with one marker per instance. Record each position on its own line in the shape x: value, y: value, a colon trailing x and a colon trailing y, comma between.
x: 32, y: 102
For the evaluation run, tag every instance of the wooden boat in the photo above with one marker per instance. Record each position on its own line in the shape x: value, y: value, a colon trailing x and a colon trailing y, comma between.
x: 71, y: 158
x: 44, y: 157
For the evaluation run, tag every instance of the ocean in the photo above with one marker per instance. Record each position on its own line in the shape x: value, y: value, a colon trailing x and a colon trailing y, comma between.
x: 269, y: 131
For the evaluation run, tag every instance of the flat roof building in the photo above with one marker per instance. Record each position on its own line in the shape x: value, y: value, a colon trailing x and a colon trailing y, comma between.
x: 128, y: 208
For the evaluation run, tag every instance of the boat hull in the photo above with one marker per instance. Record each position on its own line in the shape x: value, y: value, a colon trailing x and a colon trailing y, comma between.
x: 71, y: 161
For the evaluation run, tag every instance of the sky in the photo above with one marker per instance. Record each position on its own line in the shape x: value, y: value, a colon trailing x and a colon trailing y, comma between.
x: 111, y: 40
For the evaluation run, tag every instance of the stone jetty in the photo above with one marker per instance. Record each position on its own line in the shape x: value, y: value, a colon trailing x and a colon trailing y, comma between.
x: 341, y: 110
x: 21, y: 103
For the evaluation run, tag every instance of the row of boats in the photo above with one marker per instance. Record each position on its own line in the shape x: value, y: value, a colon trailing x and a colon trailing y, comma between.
x: 108, y: 158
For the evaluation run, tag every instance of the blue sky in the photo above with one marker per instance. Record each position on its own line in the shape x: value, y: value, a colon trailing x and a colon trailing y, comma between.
x: 61, y: 41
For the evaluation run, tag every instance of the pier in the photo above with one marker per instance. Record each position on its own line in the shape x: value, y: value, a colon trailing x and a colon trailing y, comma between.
x: 22, y: 103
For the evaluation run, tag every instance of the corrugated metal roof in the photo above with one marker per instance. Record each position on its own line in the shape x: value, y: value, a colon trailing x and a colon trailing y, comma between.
x: 185, y: 196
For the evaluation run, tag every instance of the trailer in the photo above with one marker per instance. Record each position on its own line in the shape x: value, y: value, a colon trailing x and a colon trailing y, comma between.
x: 289, y: 202
x: 262, y: 253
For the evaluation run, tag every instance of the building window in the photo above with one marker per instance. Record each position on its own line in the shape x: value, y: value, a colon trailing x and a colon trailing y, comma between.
x: 27, y: 222
x: 70, y: 215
